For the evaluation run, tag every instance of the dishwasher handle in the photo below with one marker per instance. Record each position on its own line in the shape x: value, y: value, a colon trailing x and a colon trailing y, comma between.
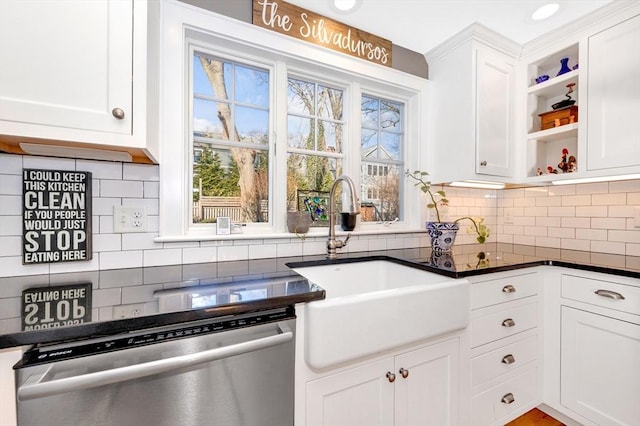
x: 122, y: 374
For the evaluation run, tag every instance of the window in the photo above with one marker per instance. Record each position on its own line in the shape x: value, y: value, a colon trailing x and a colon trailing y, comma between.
x: 381, y: 156
x: 250, y: 123
x: 314, y: 142
x: 230, y: 140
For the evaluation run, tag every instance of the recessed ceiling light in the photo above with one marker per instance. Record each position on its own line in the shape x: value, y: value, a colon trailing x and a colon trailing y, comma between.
x: 545, y: 11
x: 344, y: 4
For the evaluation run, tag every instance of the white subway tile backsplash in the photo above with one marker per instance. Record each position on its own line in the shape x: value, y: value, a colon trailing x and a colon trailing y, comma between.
x: 571, y: 244
x: 591, y: 234
x: 537, y: 231
x: 576, y: 200
x: 122, y: 188
x: 624, y: 186
x: 104, y: 206
x: 619, y: 199
x: 80, y: 266
x: 227, y: 253
x: 10, y: 184
x: 48, y: 163
x: 10, y: 205
x: 524, y: 239
x: 10, y: 225
x: 547, y: 242
x: 140, y: 172
x: 11, y: 164
x: 562, y: 232
x: 608, y: 222
x: 100, y: 169
x: 151, y: 189
x: 121, y: 259
x: 107, y: 242
x: 620, y: 211
x: 576, y: 222
x: 552, y: 222
x: 591, y: 211
x: 562, y: 211
x: 593, y: 188
x: 200, y: 254
x: 562, y: 190
x: 608, y: 247
x: 11, y: 266
x: 139, y: 241
x: 623, y: 236
x: 261, y: 251
x: 150, y: 204
x: 162, y: 257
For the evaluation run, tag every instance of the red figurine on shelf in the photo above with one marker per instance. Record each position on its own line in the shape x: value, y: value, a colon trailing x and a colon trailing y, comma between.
x: 563, y: 164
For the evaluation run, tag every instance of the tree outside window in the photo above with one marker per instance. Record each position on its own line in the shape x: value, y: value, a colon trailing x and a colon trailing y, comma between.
x: 230, y: 140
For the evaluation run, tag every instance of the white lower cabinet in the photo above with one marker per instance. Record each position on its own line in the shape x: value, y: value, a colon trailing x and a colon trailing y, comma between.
x: 600, y: 350
x: 503, y: 347
x: 418, y: 387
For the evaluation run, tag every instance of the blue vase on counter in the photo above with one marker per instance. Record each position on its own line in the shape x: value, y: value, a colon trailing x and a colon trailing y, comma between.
x: 564, y: 67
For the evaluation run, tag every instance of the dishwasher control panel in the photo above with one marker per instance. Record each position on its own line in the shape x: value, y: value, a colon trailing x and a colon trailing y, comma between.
x: 62, y: 351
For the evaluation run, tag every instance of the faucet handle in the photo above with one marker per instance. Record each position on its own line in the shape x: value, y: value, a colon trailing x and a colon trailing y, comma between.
x: 344, y: 243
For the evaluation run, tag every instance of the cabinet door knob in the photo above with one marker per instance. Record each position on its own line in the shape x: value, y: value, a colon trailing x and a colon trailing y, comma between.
x: 508, y: 289
x: 609, y: 294
x: 508, y: 359
x: 391, y: 377
x: 508, y: 323
x: 404, y: 373
x: 508, y: 398
x: 118, y: 113
x: 483, y: 163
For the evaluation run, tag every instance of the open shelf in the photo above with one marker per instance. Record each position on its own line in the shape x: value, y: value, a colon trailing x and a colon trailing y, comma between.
x: 555, y: 133
x: 554, y: 85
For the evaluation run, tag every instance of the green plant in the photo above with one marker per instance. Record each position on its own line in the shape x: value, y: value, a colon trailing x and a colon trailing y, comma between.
x: 439, y: 198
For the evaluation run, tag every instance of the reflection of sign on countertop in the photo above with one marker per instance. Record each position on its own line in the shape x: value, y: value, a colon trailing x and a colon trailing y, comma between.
x: 56, y: 216
x: 50, y: 307
x: 286, y: 18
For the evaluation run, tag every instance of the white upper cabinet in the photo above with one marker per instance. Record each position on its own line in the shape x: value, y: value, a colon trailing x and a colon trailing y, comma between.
x: 613, y: 130
x: 472, y: 110
x: 74, y: 71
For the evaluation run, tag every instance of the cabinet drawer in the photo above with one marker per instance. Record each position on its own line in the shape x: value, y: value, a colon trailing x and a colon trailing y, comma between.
x: 502, y: 290
x: 625, y: 298
x: 504, y: 399
x: 503, y: 360
x: 504, y: 323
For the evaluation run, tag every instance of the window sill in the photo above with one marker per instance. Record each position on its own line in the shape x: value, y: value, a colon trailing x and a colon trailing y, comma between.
x: 313, y: 233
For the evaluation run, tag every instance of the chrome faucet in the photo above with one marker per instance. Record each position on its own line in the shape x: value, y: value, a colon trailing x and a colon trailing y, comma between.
x: 354, y: 209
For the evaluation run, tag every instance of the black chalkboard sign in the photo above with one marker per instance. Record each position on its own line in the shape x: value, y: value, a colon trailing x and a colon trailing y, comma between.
x: 56, y: 216
x: 59, y: 306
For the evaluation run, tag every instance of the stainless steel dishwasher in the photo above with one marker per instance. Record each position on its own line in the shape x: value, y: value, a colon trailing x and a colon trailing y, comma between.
x: 235, y: 370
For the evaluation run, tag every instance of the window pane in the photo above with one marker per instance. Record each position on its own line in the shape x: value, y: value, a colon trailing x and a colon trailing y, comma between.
x: 380, y: 194
x: 299, y: 132
x: 309, y: 180
x: 382, y: 138
x: 329, y: 103
x: 329, y: 136
x: 252, y: 86
x: 230, y: 181
x: 252, y: 125
x: 301, y: 97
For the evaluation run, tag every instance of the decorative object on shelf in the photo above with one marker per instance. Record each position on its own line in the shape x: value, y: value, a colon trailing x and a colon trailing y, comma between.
x: 539, y: 171
x: 443, y: 234
x: 565, y: 102
x: 563, y: 165
x: 558, y: 117
x: 298, y: 222
x: 542, y: 78
x: 572, y: 164
x: 564, y: 67
x: 551, y: 170
x: 316, y: 203
x: 575, y: 67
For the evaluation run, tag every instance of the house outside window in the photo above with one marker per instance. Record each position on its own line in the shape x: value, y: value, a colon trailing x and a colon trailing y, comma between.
x: 381, y: 156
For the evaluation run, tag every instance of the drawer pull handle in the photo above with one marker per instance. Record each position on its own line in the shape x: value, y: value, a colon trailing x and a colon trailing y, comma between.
x: 508, y: 398
x: 391, y: 377
x: 508, y: 323
x: 404, y: 373
x: 609, y: 294
x: 508, y: 359
x: 508, y: 289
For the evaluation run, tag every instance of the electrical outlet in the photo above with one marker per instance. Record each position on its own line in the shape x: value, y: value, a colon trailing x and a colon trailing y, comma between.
x: 128, y: 311
x: 508, y: 217
x: 129, y: 219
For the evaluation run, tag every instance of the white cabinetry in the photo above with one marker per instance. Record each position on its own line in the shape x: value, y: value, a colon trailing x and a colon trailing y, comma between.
x: 74, y: 71
x: 472, y: 106
x: 504, y: 346
x: 600, y: 349
x: 613, y: 137
x: 605, y: 50
x: 418, y: 387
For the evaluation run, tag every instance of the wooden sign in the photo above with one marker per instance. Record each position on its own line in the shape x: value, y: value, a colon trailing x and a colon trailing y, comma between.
x: 56, y: 216
x: 49, y: 307
x: 302, y: 24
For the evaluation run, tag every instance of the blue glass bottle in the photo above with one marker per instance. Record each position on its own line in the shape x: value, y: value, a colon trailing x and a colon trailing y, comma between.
x: 563, y: 66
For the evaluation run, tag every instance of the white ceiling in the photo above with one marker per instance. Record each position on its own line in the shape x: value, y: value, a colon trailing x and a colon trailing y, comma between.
x: 420, y: 25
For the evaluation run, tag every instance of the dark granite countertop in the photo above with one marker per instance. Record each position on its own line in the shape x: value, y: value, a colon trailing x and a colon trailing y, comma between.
x: 253, y: 285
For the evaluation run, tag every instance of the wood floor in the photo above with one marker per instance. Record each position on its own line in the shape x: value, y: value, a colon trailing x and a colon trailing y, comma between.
x: 535, y: 417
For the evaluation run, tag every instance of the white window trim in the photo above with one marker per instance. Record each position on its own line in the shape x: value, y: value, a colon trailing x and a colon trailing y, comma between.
x: 297, y: 57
